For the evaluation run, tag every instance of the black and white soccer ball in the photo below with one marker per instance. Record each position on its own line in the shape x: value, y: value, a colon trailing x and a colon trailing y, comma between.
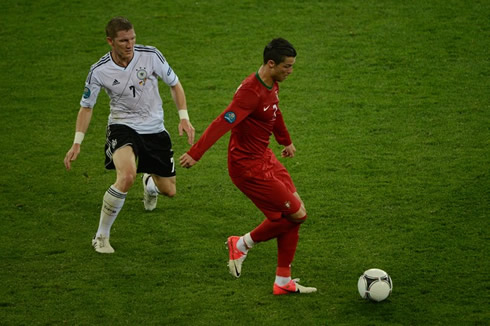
x: 375, y: 284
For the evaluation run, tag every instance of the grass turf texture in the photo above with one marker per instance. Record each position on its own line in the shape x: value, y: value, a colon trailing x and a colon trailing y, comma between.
x: 388, y: 108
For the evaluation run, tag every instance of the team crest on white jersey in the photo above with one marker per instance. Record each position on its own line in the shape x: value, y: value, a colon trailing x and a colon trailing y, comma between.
x: 142, y: 75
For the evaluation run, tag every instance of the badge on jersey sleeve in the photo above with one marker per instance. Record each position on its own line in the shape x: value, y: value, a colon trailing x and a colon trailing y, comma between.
x: 230, y: 116
x: 86, y: 92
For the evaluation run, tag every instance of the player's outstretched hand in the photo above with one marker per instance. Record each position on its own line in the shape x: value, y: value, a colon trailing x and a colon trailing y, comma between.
x: 288, y: 151
x: 186, y: 161
x: 71, y: 155
x: 185, y: 125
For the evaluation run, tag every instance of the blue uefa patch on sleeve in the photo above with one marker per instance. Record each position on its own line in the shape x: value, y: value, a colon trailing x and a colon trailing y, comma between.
x: 230, y: 117
x: 86, y: 92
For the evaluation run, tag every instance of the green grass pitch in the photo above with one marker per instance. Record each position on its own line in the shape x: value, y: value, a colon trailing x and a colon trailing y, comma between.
x: 388, y: 107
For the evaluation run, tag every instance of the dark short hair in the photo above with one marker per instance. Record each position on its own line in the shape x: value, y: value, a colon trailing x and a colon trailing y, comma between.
x: 117, y: 24
x: 277, y: 50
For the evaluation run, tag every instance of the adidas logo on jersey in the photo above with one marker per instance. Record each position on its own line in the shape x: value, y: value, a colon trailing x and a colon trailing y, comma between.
x: 115, y: 82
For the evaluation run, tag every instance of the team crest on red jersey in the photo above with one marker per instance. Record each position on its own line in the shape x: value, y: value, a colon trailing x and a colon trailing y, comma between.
x: 287, y: 204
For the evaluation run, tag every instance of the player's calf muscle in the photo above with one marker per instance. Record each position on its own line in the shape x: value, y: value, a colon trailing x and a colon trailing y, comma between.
x: 166, y: 186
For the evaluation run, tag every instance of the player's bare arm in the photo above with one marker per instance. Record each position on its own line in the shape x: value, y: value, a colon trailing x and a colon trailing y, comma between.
x: 178, y: 95
x: 83, y: 121
x: 186, y: 126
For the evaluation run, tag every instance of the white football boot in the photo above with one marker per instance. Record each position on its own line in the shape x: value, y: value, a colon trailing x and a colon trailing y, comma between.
x: 292, y: 287
x: 101, y: 244
x: 236, y: 257
x: 150, y: 201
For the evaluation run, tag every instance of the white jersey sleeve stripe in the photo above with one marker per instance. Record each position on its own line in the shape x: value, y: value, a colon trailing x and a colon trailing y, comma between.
x: 151, y: 50
x: 105, y: 59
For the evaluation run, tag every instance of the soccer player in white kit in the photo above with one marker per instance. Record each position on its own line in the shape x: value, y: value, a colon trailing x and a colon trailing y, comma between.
x: 137, y: 140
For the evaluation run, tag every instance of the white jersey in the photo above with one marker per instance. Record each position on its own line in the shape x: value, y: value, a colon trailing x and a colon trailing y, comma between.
x: 133, y: 90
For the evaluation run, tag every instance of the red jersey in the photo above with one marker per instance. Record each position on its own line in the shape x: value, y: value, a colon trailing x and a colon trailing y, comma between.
x: 252, y: 117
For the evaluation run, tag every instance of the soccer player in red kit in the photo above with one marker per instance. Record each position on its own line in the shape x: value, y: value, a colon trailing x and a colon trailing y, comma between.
x: 252, y: 117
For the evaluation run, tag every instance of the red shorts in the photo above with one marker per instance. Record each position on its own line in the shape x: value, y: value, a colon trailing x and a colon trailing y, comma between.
x: 270, y: 187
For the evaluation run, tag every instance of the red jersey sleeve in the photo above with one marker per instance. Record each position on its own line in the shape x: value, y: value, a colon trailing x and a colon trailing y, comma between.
x: 280, y: 131
x: 244, y: 102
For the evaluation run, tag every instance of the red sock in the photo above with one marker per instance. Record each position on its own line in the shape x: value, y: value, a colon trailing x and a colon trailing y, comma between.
x: 271, y: 229
x: 286, y: 248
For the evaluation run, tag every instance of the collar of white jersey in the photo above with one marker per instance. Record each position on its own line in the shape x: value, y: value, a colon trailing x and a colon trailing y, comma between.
x: 136, y: 54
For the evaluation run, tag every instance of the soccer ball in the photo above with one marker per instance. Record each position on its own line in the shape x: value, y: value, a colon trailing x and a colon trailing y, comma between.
x: 375, y: 284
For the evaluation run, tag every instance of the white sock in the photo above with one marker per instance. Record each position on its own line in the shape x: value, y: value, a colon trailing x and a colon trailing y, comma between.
x: 248, y: 241
x: 240, y: 244
x: 245, y: 243
x: 111, y: 206
x: 281, y: 280
x: 151, y: 187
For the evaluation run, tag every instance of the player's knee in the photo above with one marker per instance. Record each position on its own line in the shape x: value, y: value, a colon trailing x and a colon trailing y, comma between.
x: 298, y: 217
x: 297, y: 220
x: 170, y: 193
x: 168, y: 190
x: 126, y: 180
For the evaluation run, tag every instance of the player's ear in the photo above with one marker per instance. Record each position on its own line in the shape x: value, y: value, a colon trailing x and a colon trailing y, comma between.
x: 271, y: 63
x: 109, y: 41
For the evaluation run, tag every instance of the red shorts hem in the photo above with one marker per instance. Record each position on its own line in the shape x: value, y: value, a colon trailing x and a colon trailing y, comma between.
x: 272, y: 191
